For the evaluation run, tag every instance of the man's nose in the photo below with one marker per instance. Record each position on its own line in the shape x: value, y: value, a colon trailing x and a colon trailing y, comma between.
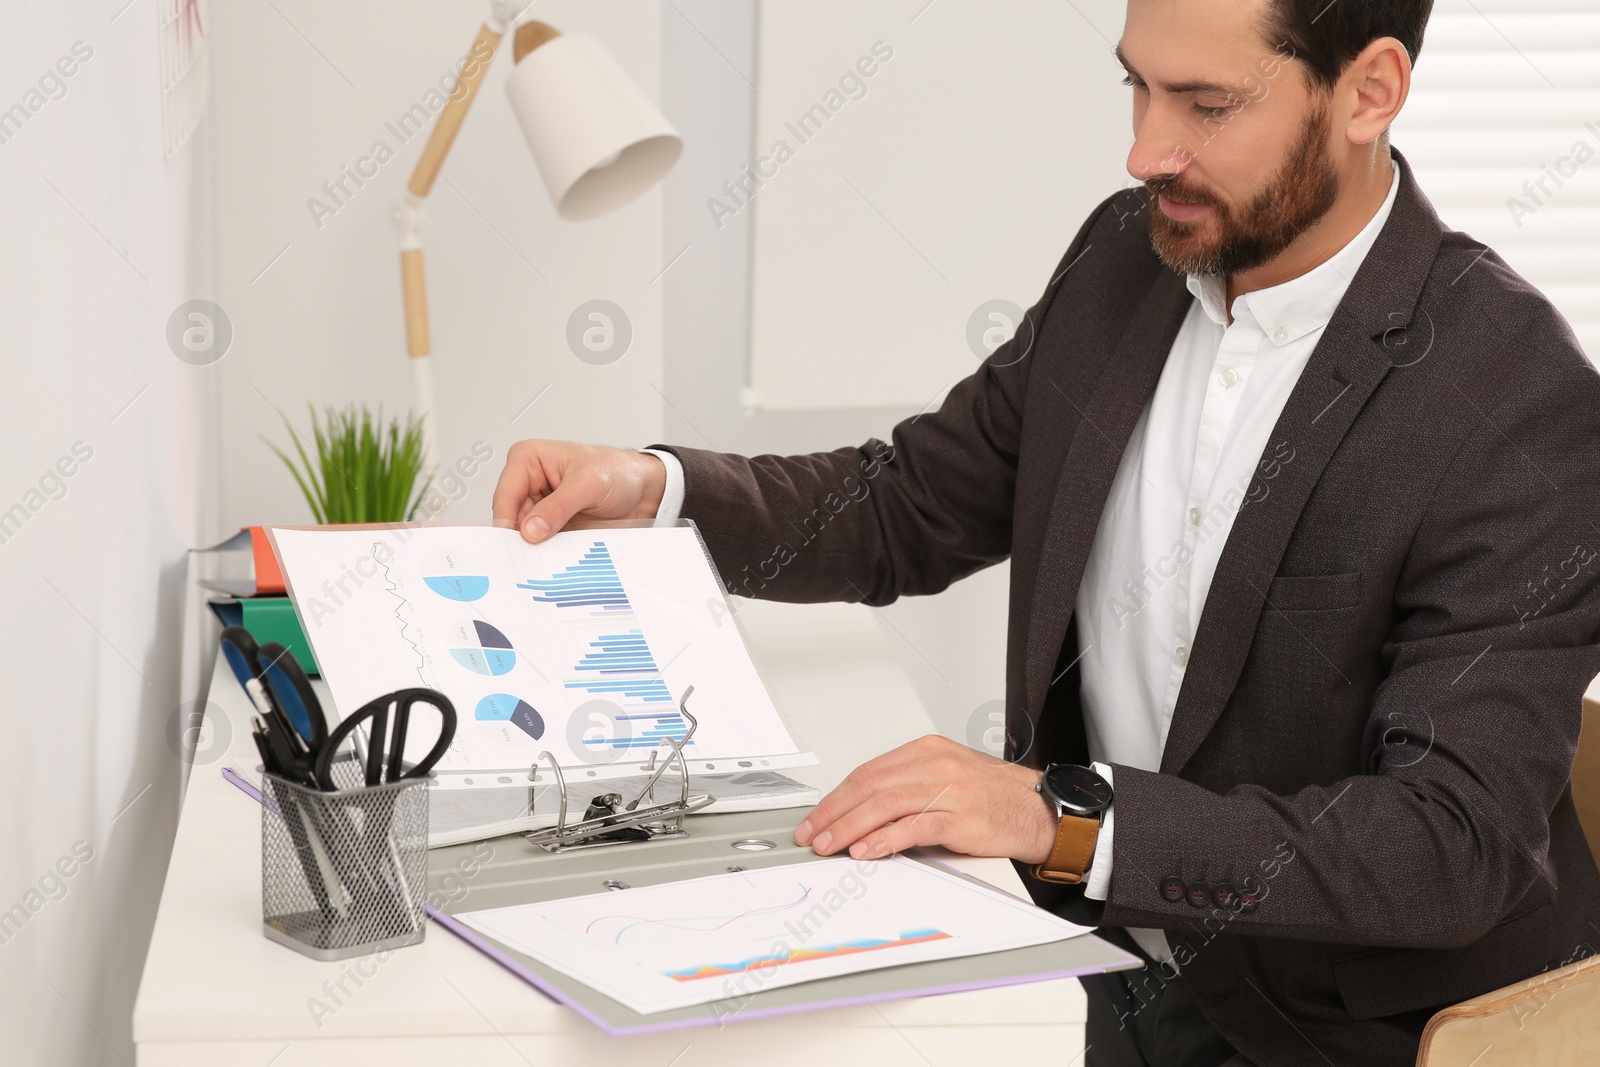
x: 1160, y: 147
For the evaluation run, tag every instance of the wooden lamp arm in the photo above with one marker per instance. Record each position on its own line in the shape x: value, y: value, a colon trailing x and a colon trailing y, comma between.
x: 409, y: 221
x: 529, y: 36
x: 409, y: 218
x: 414, y: 293
x: 479, y: 56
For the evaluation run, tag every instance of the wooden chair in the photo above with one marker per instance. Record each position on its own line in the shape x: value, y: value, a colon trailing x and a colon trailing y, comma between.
x: 1551, y: 1019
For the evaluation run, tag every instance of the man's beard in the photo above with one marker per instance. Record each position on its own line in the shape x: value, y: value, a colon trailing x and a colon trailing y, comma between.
x: 1232, y: 241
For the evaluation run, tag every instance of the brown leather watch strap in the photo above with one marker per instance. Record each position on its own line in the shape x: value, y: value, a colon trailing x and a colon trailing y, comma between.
x: 1072, y: 853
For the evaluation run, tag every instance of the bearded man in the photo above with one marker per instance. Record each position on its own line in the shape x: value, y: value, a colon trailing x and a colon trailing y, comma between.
x: 1277, y: 459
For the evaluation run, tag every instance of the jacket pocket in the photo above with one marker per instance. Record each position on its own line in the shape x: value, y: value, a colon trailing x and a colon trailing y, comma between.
x: 1314, y: 592
x: 1391, y: 981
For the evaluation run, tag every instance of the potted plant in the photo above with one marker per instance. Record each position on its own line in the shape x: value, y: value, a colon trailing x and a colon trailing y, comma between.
x: 365, y: 470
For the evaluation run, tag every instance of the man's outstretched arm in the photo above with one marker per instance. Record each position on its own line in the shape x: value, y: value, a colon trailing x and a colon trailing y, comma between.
x: 870, y: 523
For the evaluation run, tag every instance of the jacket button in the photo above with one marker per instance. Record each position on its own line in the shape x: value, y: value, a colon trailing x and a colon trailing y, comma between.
x: 1199, y: 895
x: 1172, y: 889
x: 1225, y: 895
x: 1248, y: 902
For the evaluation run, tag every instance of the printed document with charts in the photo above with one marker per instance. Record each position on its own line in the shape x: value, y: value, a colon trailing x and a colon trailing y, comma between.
x: 581, y: 646
x: 727, y: 936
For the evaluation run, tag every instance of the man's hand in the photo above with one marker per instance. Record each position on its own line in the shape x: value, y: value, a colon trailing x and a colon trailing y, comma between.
x: 547, y: 484
x: 933, y: 791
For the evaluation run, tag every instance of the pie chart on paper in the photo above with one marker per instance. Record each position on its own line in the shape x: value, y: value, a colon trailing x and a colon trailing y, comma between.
x: 463, y: 588
x: 503, y: 707
x: 490, y: 655
x: 455, y: 577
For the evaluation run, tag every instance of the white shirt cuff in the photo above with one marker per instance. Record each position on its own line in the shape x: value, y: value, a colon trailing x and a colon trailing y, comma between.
x: 672, y: 500
x: 1097, y: 886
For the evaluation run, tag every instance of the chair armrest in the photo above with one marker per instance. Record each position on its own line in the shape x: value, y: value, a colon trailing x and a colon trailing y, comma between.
x: 1549, y: 1019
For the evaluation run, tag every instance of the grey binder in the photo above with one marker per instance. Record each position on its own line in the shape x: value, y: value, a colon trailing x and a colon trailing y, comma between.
x: 507, y: 871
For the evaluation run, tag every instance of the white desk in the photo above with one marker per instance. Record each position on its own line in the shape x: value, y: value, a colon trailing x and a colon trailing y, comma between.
x: 215, y: 991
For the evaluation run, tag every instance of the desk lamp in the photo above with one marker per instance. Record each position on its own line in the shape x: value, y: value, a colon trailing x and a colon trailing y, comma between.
x: 597, y: 140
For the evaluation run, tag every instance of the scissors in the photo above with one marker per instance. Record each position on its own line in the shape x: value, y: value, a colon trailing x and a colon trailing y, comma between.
x: 381, y: 741
x: 295, y: 732
x: 282, y: 693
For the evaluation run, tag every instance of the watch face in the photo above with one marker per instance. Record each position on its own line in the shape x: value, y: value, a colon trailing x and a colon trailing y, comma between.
x: 1080, y: 790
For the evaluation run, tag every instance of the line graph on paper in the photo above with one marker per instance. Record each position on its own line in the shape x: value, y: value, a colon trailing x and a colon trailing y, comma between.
x: 692, y: 923
x: 676, y: 944
x: 382, y: 557
x: 792, y: 924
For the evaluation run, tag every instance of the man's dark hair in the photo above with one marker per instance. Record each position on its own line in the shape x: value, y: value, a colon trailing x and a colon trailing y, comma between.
x: 1327, y: 34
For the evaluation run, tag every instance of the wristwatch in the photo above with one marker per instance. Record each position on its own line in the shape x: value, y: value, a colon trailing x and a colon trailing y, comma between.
x: 1079, y: 797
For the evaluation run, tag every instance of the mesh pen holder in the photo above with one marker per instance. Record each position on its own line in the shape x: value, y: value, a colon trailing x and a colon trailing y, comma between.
x: 344, y: 873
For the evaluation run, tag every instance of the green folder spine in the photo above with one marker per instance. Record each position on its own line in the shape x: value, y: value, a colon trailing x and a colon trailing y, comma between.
x: 269, y: 618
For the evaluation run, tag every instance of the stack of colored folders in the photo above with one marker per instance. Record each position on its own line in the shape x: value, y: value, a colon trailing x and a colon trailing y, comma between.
x: 253, y: 593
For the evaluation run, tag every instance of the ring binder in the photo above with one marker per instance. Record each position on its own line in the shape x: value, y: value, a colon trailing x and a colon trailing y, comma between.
x: 607, y: 821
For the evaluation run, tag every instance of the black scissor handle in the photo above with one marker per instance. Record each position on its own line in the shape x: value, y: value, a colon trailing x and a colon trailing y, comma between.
x: 379, y: 712
x: 291, y: 691
x: 240, y: 650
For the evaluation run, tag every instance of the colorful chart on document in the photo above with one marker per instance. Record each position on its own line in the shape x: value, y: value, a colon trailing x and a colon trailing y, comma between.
x: 608, y: 660
x: 749, y: 925
x: 582, y: 645
x: 724, y: 937
x: 483, y: 650
x: 505, y: 707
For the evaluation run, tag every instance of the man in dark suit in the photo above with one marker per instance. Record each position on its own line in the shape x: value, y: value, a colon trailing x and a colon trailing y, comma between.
x: 1301, y: 491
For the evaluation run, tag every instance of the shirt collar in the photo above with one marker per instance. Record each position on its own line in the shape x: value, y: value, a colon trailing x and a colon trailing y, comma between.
x: 1290, y: 311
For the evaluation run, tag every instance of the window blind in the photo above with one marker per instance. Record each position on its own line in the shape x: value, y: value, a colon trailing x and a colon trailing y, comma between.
x: 1503, y: 128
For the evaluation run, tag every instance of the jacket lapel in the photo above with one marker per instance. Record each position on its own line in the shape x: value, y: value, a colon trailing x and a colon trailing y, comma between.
x: 1376, y: 316
x: 1106, y: 421
x: 1332, y: 390
x: 1350, y: 361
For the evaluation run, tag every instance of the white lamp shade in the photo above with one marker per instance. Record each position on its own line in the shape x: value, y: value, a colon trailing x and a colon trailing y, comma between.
x: 597, y: 139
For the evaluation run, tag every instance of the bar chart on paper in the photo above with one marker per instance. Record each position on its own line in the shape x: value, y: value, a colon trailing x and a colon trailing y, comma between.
x: 661, y: 947
x: 582, y: 645
x: 610, y: 659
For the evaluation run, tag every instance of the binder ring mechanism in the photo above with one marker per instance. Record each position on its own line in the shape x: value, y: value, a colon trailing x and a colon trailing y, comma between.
x: 607, y: 820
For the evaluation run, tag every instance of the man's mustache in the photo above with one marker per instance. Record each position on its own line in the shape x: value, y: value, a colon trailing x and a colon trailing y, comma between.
x: 1173, y: 189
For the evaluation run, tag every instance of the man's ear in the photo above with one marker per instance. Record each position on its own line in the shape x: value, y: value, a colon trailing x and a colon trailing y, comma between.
x: 1373, y: 89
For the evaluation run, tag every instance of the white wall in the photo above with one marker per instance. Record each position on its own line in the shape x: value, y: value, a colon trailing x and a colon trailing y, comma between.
x: 305, y: 88
x: 919, y: 162
x: 103, y: 238
x: 708, y: 92
x: 951, y: 646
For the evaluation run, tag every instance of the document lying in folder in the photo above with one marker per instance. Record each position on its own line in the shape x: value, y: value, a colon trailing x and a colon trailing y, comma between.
x: 580, y: 646
x: 727, y: 936
x: 501, y: 889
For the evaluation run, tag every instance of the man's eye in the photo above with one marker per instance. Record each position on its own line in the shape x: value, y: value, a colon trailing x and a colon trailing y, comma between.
x: 1133, y: 83
x: 1212, y: 112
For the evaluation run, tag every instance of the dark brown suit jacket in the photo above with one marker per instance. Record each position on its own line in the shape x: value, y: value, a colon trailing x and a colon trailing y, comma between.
x: 1374, y: 739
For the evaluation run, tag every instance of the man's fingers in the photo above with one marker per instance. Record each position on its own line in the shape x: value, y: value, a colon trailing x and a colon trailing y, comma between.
x: 846, y: 796
x: 576, y: 493
x: 835, y: 804
x: 880, y: 772
x: 541, y: 489
x: 520, y: 481
x: 872, y: 814
x: 924, y: 828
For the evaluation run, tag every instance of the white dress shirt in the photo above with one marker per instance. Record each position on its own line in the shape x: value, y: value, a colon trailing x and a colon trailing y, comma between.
x: 1182, y: 478
x: 672, y: 498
